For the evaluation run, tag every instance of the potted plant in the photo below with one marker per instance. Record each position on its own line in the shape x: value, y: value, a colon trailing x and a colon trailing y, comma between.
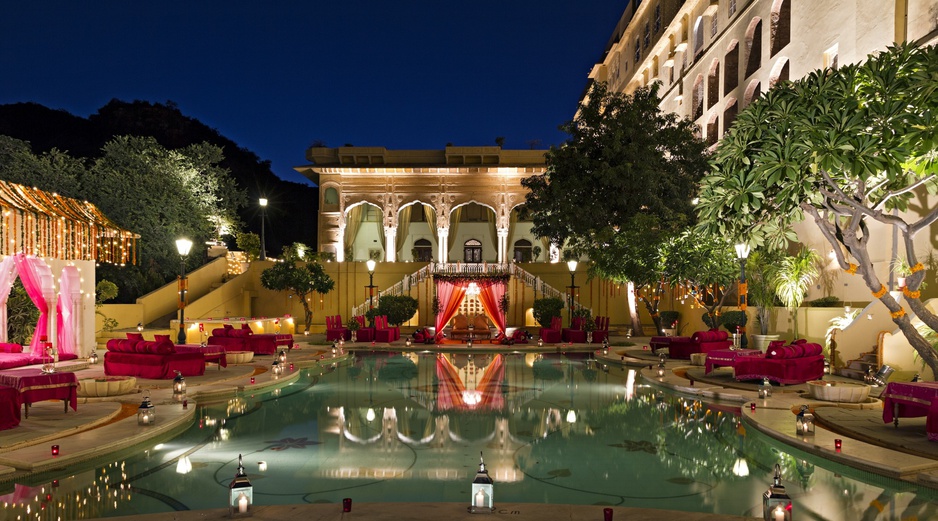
x: 669, y: 320
x: 794, y: 276
x: 760, y: 274
x: 353, y: 326
x: 732, y: 321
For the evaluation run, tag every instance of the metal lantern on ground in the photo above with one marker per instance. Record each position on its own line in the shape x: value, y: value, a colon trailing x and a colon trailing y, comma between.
x: 765, y: 390
x: 540, y: 342
x: 605, y: 346
x: 139, y: 326
x: 776, y: 505
x: 146, y: 413
x: 282, y: 356
x: 483, y: 489
x: 661, y: 370
x: 827, y: 367
x: 407, y: 342
x: 276, y: 368
x: 179, y: 385
x: 240, y: 493
x: 469, y: 343
x: 93, y: 357
x: 804, y: 424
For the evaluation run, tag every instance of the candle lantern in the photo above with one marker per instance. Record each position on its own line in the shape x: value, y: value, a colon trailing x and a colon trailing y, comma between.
x: 252, y: 380
x: 282, y: 357
x: 93, y: 357
x: 146, y: 413
x: 341, y: 342
x: 335, y: 349
x: 540, y: 342
x: 605, y: 346
x: 765, y: 390
x: 660, y: 371
x: 240, y: 493
x: 469, y: 342
x: 139, y: 326
x: 804, y: 424
x: 483, y: 488
x: 838, y: 444
x: 752, y: 406
x: 407, y: 342
x: 776, y: 504
x: 276, y: 369
x: 179, y: 385
x: 827, y: 367
x: 55, y: 450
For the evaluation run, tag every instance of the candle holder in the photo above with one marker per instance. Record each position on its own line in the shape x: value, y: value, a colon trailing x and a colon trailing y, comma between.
x: 55, y: 450
x: 838, y: 443
x: 752, y: 406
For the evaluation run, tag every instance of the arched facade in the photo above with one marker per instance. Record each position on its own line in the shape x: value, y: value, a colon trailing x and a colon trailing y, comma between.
x: 388, y: 200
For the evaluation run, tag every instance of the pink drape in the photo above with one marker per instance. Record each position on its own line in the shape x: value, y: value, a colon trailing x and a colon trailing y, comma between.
x: 40, y: 286
x: 68, y: 325
x: 7, y: 276
x: 491, y: 385
x: 449, y: 392
x: 490, y: 296
x: 450, y: 296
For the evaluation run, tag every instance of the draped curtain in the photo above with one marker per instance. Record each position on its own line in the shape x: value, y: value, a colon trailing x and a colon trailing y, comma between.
x: 429, y: 214
x: 403, y: 228
x: 490, y: 295
x: 353, y: 223
x: 512, y: 222
x: 490, y: 386
x: 7, y: 277
x: 68, y: 325
x: 454, y: 217
x: 449, y: 393
x: 450, y: 296
x: 383, y: 239
x: 40, y: 286
x: 493, y: 231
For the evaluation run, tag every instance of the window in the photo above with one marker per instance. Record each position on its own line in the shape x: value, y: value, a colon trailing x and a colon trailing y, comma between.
x: 780, y: 72
x: 638, y: 51
x: 657, y: 18
x: 781, y: 25
x: 731, y: 81
x: 698, y: 36
x: 731, y: 7
x: 753, y: 91
x: 697, y: 101
x: 714, y: 25
x: 423, y: 250
x: 713, y: 130
x: 472, y: 251
x: 713, y: 84
x: 830, y: 58
x: 522, y: 251
x: 729, y: 114
x: 647, y: 34
x: 754, y: 46
x: 331, y: 196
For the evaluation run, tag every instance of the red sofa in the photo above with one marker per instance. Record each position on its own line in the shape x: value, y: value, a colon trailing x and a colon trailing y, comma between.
x: 682, y: 347
x: 244, y: 339
x: 155, y: 359
x: 575, y: 332
x: 602, y: 329
x: 12, y: 355
x: 552, y: 334
x: 793, y: 364
x: 364, y: 334
x: 385, y: 332
x: 335, y: 329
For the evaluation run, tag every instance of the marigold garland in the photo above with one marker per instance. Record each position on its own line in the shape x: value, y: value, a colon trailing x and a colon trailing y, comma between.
x: 897, y: 314
x: 852, y: 269
x: 911, y: 294
x: 918, y: 267
x: 881, y: 292
x: 481, y: 279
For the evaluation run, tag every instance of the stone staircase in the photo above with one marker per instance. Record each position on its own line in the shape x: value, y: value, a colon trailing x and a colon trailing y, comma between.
x: 858, y: 368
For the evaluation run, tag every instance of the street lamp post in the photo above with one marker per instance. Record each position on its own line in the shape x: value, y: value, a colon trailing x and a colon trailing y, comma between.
x: 742, y: 253
x: 263, y: 202
x: 183, y: 246
x: 572, y: 266
x: 371, y: 282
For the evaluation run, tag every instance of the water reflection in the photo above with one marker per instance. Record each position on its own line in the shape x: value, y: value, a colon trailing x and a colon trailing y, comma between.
x: 409, y: 427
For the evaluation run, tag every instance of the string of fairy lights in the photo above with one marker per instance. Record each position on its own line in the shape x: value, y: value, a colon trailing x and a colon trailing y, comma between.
x: 47, y: 224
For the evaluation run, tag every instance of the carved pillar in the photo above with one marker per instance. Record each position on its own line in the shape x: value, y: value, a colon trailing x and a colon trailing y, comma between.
x: 390, y: 243
x: 442, y: 239
x: 502, y: 245
x: 340, y: 244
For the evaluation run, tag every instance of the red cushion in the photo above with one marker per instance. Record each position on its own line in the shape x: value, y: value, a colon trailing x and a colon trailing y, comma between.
x: 162, y: 338
x: 775, y: 344
x: 800, y: 341
x: 129, y: 346
x: 229, y: 326
x: 812, y: 349
x: 135, y: 336
x: 247, y: 327
x: 10, y: 348
x: 165, y: 348
x: 142, y: 347
x: 775, y: 352
x: 797, y: 350
x: 239, y: 333
x: 220, y: 331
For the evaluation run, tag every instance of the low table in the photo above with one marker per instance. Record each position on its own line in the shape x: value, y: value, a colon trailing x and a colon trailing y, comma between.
x: 725, y: 357
x: 35, y: 386
x: 910, y: 400
x: 9, y: 408
x: 213, y: 353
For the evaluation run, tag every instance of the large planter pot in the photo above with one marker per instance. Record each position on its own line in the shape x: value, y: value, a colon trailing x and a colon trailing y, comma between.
x: 839, y: 391
x: 761, y: 342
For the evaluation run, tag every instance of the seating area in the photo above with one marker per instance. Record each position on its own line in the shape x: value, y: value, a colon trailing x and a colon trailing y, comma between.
x: 700, y: 342
x: 336, y: 330
x: 460, y: 327
x: 155, y: 359
x: 552, y: 334
x: 12, y: 356
x: 574, y: 333
x: 245, y: 339
x: 797, y: 363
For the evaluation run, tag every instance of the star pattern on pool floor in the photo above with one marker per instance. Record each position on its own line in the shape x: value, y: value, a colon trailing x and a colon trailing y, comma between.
x: 290, y: 443
x: 635, y: 446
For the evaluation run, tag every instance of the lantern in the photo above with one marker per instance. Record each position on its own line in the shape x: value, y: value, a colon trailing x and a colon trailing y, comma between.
x: 240, y: 493
x: 605, y: 346
x: 765, y: 390
x: 838, y: 444
x: 776, y: 505
x: 540, y: 342
x: 276, y: 369
x: 335, y: 348
x: 407, y: 342
x: 283, y: 356
x: 661, y: 370
x: 469, y: 342
x: 483, y: 488
x: 146, y: 413
x: 93, y: 357
x: 139, y: 326
x: 804, y: 424
x: 55, y: 450
x: 341, y: 342
x: 179, y: 385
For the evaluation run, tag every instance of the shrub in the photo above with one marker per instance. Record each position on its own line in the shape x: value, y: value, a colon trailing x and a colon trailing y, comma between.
x: 732, y: 319
x: 547, y: 308
x: 398, y: 308
x: 826, y: 302
x: 669, y: 318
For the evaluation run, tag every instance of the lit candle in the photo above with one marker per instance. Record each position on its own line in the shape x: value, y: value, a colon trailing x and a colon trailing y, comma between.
x: 242, y: 504
x: 779, y: 513
x: 752, y: 406
x: 262, y: 466
x: 146, y: 419
x: 480, y: 498
x: 252, y: 379
x: 55, y: 450
x: 837, y: 444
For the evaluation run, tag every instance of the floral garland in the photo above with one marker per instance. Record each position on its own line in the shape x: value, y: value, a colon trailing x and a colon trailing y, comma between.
x: 482, y: 279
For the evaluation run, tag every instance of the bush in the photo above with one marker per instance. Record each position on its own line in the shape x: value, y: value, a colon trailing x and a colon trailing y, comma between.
x: 547, y: 308
x: 669, y: 318
x: 732, y: 319
x: 398, y: 308
x: 709, y: 323
x: 826, y: 302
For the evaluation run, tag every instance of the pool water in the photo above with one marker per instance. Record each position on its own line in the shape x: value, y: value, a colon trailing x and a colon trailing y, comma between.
x: 412, y: 427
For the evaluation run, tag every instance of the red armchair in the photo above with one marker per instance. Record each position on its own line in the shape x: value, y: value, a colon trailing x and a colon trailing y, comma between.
x: 385, y: 332
x: 793, y: 364
x: 335, y: 329
x: 602, y: 329
x: 700, y: 342
x: 575, y: 332
x: 552, y: 334
x: 364, y: 334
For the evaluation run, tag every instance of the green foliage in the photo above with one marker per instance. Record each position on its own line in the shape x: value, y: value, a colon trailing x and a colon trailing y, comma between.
x: 730, y: 320
x: 705, y: 264
x: 371, y: 314
x: 249, y: 243
x: 669, y: 318
x: 398, y: 308
x: 301, y: 279
x: 793, y: 278
x: 826, y: 302
x: 544, y: 309
x: 300, y: 252
x: 22, y: 315
x: 397, y: 368
x: 103, y: 291
x: 760, y: 275
x: 352, y: 324
x: 624, y: 158
x: 709, y: 320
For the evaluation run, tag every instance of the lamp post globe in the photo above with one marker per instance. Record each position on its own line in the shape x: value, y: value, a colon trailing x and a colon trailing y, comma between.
x: 571, y: 265
x: 263, y: 204
x: 183, y: 246
x: 370, y: 263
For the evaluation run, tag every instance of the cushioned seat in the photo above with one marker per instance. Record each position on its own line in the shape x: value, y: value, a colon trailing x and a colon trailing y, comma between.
x: 552, y: 334
x: 364, y: 334
x: 480, y: 327
x: 156, y: 359
x: 460, y: 327
x: 601, y: 332
x: 574, y: 333
x: 335, y: 329
x: 793, y: 364
x: 699, y: 342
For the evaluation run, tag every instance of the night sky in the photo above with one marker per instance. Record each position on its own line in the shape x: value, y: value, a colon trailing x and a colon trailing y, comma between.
x: 277, y: 76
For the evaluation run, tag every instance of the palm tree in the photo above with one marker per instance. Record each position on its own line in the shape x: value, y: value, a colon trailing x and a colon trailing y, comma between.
x: 793, y: 278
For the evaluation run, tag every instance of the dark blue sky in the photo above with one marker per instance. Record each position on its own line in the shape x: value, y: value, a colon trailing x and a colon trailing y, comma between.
x: 277, y: 76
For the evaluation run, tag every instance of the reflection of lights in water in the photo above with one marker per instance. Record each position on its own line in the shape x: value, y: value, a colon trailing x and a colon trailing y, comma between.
x: 183, y: 465
x: 370, y: 415
x: 741, y: 468
x: 571, y: 416
x: 159, y: 446
x: 630, y: 385
x: 471, y: 397
x: 223, y: 434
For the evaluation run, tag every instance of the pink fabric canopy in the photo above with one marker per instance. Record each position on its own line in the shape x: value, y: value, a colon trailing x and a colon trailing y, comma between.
x: 7, y: 276
x: 68, y: 323
x: 40, y: 286
x: 451, y: 294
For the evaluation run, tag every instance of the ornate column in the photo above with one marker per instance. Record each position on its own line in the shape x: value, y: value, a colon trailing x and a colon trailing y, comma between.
x: 340, y: 243
x: 502, y: 245
x: 442, y: 239
x: 390, y: 243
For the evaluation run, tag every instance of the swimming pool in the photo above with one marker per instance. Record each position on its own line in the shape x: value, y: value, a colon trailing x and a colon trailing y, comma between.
x: 410, y: 428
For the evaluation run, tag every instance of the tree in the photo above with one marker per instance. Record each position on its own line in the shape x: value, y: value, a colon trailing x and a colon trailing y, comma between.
x: 705, y: 266
x: 398, y: 308
x: 845, y: 147
x: 302, y: 279
x: 628, y: 169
